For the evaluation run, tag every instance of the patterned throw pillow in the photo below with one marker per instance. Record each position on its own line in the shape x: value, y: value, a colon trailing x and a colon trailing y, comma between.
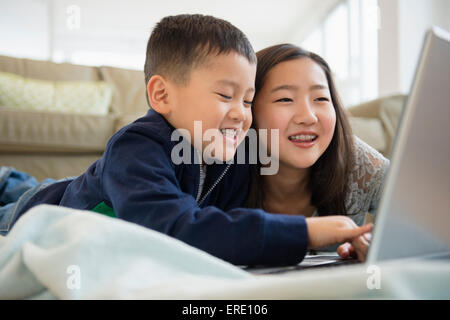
x: 85, y: 97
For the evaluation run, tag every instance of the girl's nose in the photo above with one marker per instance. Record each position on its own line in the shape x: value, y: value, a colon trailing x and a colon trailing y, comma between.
x: 305, y: 114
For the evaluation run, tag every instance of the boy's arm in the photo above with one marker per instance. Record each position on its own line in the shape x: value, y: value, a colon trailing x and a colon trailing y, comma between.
x: 139, y: 180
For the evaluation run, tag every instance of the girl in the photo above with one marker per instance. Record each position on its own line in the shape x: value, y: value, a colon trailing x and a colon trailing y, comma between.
x: 323, y: 169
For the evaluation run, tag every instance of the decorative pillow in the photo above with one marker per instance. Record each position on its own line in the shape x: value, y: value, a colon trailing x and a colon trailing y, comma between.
x: 85, y: 97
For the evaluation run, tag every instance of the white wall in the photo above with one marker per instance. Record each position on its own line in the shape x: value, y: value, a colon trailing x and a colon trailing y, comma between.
x: 116, y: 32
x: 403, y: 27
x: 24, y: 28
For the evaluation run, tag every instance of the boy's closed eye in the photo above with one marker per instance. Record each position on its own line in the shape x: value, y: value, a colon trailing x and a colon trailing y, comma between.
x: 223, y: 96
x: 228, y: 98
x: 249, y: 103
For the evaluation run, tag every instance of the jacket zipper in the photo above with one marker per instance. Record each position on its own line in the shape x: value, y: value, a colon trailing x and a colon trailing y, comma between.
x: 212, y: 187
x: 199, y: 191
x: 200, y: 176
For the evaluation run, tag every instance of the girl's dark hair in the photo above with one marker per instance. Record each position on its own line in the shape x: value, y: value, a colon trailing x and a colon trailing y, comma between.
x: 328, y: 180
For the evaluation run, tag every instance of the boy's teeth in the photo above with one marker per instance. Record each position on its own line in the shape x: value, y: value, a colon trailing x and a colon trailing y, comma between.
x: 229, y: 132
x: 303, y: 137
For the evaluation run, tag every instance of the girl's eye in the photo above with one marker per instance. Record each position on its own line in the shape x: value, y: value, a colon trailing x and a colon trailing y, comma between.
x: 248, y: 103
x: 323, y: 99
x: 284, y: 100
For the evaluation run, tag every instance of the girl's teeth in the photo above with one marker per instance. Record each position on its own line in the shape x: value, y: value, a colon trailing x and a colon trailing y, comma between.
x: 303, y: 137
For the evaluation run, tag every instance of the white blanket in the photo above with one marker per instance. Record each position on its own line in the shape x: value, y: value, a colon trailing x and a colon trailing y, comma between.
x: 55, y: 252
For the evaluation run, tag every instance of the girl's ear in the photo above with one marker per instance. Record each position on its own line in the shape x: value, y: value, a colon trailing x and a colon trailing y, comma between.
x: 157, y: 91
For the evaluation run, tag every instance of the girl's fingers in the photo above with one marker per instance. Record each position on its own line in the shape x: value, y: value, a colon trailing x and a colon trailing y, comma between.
x: 344, y: 250
x: 368, y: 236
x: 361, y: 246
x: 358, y: 245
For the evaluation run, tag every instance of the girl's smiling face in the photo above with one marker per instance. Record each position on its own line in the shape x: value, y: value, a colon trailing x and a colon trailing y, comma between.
x: 296, y: 100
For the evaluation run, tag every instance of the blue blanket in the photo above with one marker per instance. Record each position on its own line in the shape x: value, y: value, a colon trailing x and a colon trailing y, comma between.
x: 60, y: 253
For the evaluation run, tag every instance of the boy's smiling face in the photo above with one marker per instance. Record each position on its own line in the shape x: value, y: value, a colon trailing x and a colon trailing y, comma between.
x: 219, y: 93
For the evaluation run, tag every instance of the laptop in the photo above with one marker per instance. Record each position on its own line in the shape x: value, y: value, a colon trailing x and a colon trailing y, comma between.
x: 413, y: 217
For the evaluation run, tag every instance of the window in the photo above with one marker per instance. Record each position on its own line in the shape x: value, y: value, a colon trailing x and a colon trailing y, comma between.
x: 347, y: 40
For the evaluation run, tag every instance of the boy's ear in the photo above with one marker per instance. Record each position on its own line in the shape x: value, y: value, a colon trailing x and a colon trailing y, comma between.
x: 157, y: 91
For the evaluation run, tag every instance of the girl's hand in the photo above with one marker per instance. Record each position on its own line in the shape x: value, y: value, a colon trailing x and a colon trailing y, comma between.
x: 325, y: 231
x: 357, y: 248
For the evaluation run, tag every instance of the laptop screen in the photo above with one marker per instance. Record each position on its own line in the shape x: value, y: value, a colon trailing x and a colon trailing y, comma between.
x: 413, y: 218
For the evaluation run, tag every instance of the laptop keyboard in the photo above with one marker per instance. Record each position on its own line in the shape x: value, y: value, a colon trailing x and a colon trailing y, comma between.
x: 310, y: 261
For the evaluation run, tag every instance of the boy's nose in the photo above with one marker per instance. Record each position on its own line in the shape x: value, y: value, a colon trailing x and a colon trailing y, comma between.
x: 237, y: 112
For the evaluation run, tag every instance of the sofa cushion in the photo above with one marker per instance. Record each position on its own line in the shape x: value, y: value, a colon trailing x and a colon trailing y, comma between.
x: 129, y: 91
x: 386, y: 109
x: 49, y: 165
x: 32, y: 131
x: 86, y: 97
x: 390, y: 113
x: 370, y: 131
x: 47, y: 70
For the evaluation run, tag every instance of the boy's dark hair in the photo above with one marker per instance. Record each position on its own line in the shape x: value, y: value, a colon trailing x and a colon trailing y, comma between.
x: 179, y: 43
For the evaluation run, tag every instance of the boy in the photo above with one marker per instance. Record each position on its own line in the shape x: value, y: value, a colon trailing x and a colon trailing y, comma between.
x: 198, y: 68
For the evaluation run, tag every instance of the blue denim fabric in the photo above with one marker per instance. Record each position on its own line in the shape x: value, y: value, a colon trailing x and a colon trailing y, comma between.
x: 13, y: 184
x: 16, y: 188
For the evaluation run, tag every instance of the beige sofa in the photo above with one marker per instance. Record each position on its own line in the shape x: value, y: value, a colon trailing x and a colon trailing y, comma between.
x: 50, y: 144
x: 57, y: 145
x: 376, y: 121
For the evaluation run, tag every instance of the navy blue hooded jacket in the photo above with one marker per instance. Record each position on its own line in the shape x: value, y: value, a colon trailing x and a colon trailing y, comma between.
x: 138, y: 180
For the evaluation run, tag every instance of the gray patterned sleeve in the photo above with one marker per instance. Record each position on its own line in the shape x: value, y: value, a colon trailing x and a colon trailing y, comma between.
x: 366, y: 181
